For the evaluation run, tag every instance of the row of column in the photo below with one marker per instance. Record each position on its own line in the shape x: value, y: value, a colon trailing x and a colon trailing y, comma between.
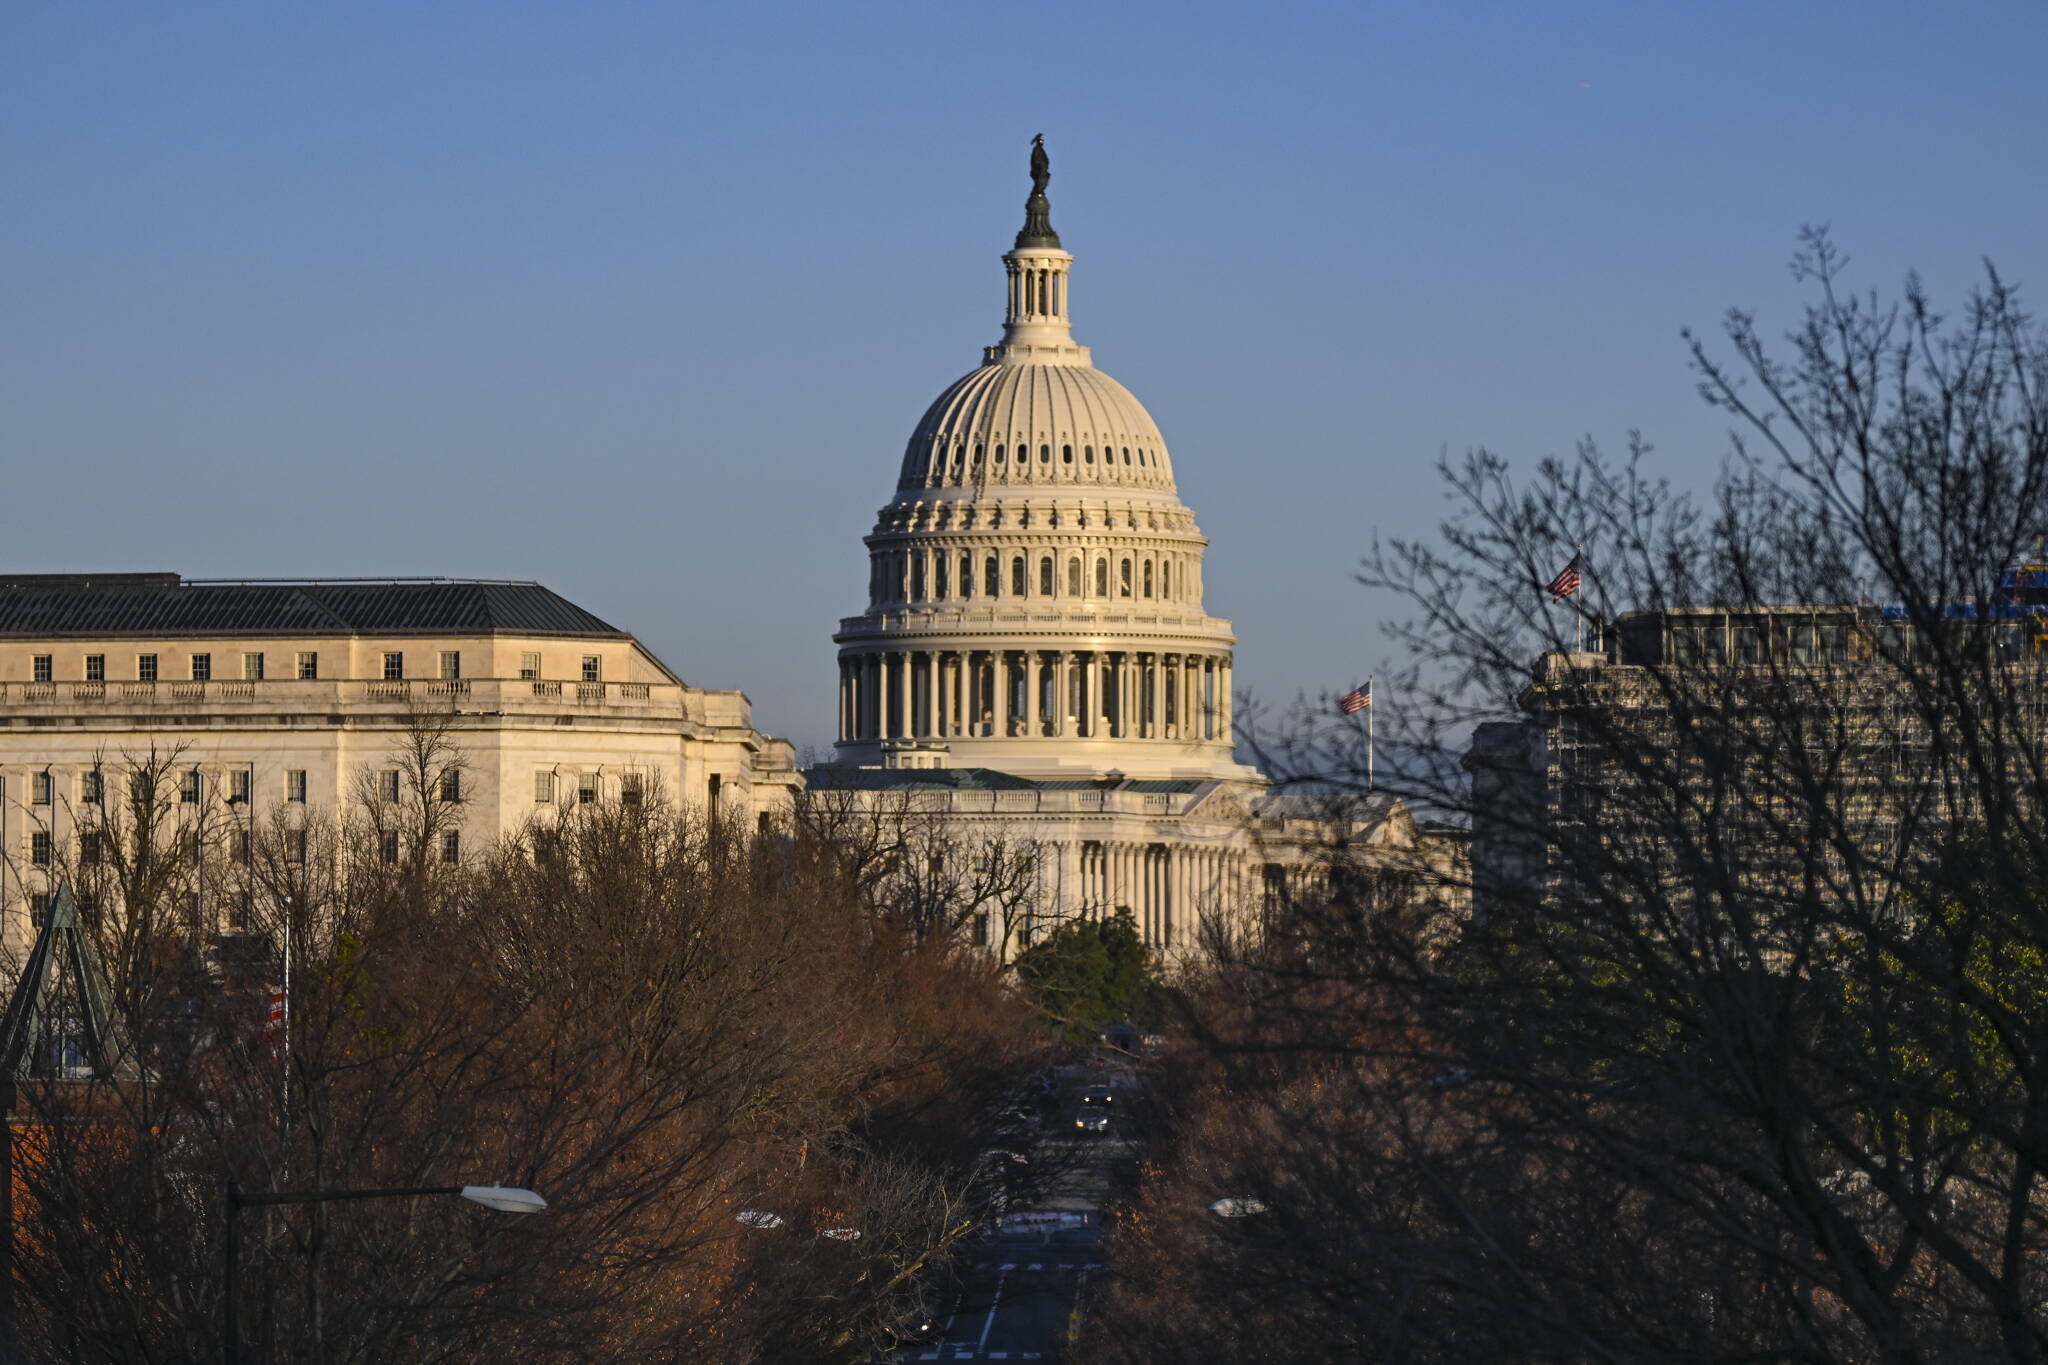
x: 1037, y: 292
x: 1162, y: 885
x: 923, y: 576
x: 1026, y: 693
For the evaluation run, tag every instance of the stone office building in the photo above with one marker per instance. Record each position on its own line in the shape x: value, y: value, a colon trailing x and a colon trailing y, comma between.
x: 291, y: 696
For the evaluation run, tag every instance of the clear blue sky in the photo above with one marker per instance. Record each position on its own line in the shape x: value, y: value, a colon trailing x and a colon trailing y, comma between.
x: 641, y: 301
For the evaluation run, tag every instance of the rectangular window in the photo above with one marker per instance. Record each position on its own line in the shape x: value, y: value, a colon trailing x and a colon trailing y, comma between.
x: 295, y: 786
x: 451, y: 847
x: 451, y: 785
x: 394, y: 665
x: 529, y: 667
x: 90, y: 848
x: 590, y: 668
x: 44, y: 667
x: 202, y: 668
x: 241, y: 846
x: 195, y: 848
x: 92, y: 787
x: 42, y: 789
x: 544, y: 788
x: 451, y: 663
x: 309, y: 663
x: 711, y: 792
x: 145, y: 668
x: 252, y: 667
x: 238, y: 786
x: 1749, y: 646
x: 630, y: 789
x: 387, y: 785
x: 39, y: 848
x: 39, y: 908
x: 295, y: 846
x: 188, y: 787
x: 586, y: 788
x: 387, y: 845
x: 95, y: 668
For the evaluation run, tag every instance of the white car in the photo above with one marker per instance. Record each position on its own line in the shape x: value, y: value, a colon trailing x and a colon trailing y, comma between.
x: 1091, y: 1118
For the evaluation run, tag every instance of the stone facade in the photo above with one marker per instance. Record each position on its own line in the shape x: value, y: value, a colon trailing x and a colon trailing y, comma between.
x: 269, y: 696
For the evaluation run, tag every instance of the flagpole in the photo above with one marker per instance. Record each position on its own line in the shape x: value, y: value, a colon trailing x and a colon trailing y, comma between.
x: 1578, y: 614
x: 1368, y: 734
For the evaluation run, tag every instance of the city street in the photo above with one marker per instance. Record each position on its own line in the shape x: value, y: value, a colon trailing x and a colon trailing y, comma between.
x: 1021, y: 1287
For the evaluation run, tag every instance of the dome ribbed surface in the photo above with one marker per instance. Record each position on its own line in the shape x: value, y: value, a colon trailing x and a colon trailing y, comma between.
x: 1073, y: 424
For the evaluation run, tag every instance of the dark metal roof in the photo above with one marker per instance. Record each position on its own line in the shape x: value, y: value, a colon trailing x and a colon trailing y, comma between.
x: 43, y: 606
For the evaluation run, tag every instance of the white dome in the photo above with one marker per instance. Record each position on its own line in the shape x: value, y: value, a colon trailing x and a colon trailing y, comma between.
x: 1033, y: 425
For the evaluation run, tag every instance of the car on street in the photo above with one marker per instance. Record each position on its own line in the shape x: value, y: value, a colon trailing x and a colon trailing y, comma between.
x: 1099, y: 1095
x: 1092, y: 1118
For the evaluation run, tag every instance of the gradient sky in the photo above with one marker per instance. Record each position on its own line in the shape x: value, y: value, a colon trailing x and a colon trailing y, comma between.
x: 642, y: 301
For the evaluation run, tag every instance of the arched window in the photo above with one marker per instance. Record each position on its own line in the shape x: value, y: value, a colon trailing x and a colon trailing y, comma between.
x: 1045, y: 576
x: 992, y: 576
x: 966, y: 574
x: 1067, y: 454
x: 1127, y: 454
x: 1088, y: 454
x: 1125, y: 580
x: 1102, y: 578
x: 917, y: 578
x: 939, y: 576
x: 1074, y: 576
x: 1017, y: 576
x: 1148, y: 578
x: 1166, y: 580
x: 1045, y: 454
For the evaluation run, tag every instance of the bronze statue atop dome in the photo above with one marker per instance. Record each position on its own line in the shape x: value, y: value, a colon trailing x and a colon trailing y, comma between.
x: 1038, y: 230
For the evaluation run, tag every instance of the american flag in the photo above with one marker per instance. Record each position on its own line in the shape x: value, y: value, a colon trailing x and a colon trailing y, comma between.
x: 1566, y: 583
x: 273, y: 1020
x: 1356, y: 700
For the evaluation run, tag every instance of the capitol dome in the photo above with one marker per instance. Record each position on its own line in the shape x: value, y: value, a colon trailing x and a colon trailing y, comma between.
x: 1037, y: 425
x: 1035, y: 584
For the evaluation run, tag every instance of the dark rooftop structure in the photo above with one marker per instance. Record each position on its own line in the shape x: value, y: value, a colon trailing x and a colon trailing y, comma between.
x: 47, y: 606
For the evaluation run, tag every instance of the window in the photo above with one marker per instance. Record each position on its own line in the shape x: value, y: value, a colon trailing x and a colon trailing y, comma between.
x: 529, y: 667
x: 90, y: 848
x: 238, y: 787
x: 189, y: 787
x: 544, y: 788
x: 39, y: 848
x: 1749, y: 646
x: 387, y: 786
x: 939, y: 575
x: 1017, y: 576
x: 394, y: 665
x: 95, y: 668
x: 1067, y: 455
x: 387, y: 845
x: 295, y: 785
x: 92, y: 787
x: 240, y: 845
x: 195, y: 848
x: 295, y: 846
x: 252, y: 667
x: 1148, y: 578
x: 1074, y: 577
x: 631, y: 788
x: 43, y: 667
x: 966, y: 574
x: 916, y: 581
x: 451, y: 785
x: 1045, y: 576
x: 145, y: 668
x: 992, y: 577
x: 309, y: 663
x: 451, y: 663
x: 591, y: 672
x: 1124, y: 579
x: 39, y: 908
x: 42, y: 788
x: 1102, y: 578
x: 586, y: 788
x: 202, y: 668
x: 981, y: 928
x: 451, y: 847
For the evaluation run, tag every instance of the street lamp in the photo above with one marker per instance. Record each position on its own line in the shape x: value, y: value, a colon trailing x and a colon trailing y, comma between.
x: 503, y: 1198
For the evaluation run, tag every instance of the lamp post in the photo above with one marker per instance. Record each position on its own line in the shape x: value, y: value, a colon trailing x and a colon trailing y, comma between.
x: 502, y: 1198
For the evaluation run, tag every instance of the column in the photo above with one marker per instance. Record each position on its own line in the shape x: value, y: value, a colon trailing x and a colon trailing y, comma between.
x: 999, y: 660
x: 1034, y: 693
x: 939, y: 692
x: 1158, y: 695
x: 1062, y: 695
x: 1224, y: 703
